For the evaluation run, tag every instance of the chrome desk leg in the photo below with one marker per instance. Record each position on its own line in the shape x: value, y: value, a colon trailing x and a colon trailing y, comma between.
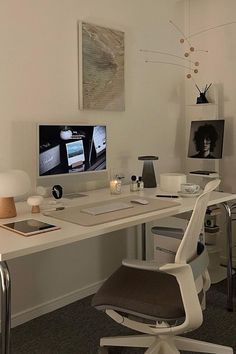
x: 229, y: 257
x: 5, y: 307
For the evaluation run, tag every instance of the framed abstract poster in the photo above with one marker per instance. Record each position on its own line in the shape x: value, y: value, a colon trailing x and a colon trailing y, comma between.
x: 101, y: 68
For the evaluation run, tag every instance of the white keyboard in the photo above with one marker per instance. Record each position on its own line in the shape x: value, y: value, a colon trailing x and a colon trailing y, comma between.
x: 106, y: 208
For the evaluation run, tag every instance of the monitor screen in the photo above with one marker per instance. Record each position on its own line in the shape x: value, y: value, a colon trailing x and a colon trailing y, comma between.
x: 206, y: 139
x: 65, y: 149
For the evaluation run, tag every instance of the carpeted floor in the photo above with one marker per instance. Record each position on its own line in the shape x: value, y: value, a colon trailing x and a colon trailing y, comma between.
x: 76, y: 328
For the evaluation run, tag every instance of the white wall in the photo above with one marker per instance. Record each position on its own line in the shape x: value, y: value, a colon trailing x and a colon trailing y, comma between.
x: 39, y: 83
x: 218, y: 67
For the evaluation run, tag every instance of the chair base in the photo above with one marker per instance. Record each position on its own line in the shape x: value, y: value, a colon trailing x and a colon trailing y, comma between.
x: 164, y: 344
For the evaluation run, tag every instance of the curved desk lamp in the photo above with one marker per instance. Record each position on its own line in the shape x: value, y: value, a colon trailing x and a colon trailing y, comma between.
x: 13, y: 183
x: 148, y: 175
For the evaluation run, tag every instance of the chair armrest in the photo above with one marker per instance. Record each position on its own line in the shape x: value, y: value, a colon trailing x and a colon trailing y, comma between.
x: 168, y: 231
x: 138, y: 264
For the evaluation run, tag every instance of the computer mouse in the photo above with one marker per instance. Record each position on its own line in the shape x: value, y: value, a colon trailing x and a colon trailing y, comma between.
x: 140, y: 201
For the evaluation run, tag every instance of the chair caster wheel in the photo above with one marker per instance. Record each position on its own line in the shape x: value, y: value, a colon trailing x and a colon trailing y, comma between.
x: 103, y: 350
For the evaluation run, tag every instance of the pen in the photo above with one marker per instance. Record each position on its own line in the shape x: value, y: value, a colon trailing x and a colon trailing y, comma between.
x: 167, y: 196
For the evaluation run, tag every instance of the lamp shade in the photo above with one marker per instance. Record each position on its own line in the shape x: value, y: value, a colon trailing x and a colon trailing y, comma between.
x: 14, y: 183
x: 148, y: 175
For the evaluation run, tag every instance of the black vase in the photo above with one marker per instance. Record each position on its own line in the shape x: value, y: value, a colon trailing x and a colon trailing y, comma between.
x: 202, y: 98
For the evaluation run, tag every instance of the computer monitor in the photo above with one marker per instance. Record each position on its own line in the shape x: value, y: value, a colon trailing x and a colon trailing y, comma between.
x: 66, y: 149
x: 206, y: 139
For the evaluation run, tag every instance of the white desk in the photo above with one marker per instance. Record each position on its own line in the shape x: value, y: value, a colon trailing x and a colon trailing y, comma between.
x: 13, y: 245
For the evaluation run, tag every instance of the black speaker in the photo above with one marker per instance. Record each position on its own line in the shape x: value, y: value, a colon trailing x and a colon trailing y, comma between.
x: 57, y: 191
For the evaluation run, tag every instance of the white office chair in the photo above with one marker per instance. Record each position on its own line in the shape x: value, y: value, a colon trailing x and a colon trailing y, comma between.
x: 162, y: 303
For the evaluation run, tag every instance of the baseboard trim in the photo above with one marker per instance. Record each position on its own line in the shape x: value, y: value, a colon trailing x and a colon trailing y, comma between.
x: 52, y: 305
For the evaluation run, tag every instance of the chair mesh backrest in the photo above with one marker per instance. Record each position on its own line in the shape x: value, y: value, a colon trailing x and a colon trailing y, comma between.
x: 188, y: 246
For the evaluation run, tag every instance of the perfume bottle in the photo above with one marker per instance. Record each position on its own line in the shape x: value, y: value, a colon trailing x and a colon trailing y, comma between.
x: 133, y: 184
x: 140, y: 184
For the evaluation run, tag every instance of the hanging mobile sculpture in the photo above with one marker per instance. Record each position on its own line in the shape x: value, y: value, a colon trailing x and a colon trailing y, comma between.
x: 192, y: 65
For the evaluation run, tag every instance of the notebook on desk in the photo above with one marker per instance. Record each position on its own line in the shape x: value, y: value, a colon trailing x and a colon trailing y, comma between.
x: 200, y: 172
x: 77, y: 216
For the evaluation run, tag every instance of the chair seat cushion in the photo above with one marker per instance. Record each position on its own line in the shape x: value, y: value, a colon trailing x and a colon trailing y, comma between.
x: 147, y: 294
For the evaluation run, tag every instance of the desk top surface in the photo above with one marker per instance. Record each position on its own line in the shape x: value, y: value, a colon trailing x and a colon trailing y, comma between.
x: 13, y: 245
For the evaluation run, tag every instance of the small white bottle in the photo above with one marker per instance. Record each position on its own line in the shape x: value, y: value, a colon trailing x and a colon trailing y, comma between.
x: 140, y: 184
x: 118, y: 186
x: 133, y: 184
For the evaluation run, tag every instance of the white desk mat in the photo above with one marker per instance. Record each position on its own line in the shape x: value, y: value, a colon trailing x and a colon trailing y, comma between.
x: 75, y: 216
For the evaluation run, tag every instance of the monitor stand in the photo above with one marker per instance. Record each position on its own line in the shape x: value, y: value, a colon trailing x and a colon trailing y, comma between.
x: 74, y: 195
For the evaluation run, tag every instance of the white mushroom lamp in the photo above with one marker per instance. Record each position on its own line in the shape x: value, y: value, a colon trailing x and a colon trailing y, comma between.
x: 13, y: 183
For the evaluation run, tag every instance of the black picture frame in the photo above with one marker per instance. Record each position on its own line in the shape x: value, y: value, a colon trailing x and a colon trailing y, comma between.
x: 210, y: 130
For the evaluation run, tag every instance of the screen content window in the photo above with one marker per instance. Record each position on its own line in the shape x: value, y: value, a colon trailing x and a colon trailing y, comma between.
x: 67, y: 149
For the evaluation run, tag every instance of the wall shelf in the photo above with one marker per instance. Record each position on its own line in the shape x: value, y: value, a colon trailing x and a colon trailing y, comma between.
x: 201, y: 112
x: 211, y: 175
x: 201, y: 104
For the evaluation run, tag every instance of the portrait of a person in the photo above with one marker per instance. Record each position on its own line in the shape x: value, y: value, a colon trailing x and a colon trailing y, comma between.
x: 205, y: 138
